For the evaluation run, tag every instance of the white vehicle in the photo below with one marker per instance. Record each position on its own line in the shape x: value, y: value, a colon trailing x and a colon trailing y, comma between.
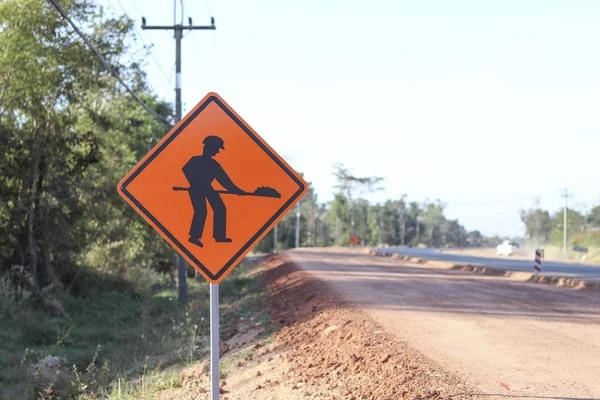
x: 507, y: 248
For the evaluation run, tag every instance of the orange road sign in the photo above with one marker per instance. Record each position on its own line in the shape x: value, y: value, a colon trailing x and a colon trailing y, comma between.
x: 354, y: 240
x: 212, y: 187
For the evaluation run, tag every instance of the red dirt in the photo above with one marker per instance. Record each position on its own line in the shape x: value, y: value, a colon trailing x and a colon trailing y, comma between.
x: 337, y: 352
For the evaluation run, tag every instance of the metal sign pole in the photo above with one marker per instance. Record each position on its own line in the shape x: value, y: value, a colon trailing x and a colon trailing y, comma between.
x: 214, y: 341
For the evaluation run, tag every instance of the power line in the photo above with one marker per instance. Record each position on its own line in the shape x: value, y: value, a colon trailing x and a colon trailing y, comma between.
x: 116, y: 15
x: 136, y: 7
x: 106, y: 64
x: 489, y: 202
x: 139, y: 36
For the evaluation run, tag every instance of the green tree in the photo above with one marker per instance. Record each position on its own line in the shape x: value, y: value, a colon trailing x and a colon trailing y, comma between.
x: 475, y: 239
x: 434, y: 219
x: 593, y: 217
x: 538, y: 225
x: 353, y: 188
x: 68, y: 134
x: 339, y: 221
x: 576, y: 223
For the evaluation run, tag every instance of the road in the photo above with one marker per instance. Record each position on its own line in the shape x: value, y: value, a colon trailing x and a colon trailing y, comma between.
x: 574, y: 270
x: 542, y: 341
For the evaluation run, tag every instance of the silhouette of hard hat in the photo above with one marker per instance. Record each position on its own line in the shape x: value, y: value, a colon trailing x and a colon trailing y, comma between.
x: 214, y: 141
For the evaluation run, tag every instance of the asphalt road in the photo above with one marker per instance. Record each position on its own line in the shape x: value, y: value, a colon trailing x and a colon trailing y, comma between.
x: 540, y: 341
x: 574, y: 270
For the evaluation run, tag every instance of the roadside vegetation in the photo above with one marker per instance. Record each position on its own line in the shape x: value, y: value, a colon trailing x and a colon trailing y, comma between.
x: 116, y: 342
x: 545, y: 229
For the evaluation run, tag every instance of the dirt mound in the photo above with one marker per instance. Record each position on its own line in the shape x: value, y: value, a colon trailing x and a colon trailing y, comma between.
x: 336, y: 352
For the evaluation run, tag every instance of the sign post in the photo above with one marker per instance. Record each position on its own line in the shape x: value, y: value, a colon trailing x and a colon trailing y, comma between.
x: 212, y: 159
x: 214, y: 341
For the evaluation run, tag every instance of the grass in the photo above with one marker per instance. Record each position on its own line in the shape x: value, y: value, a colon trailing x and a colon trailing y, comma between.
x: 116, y: 343
x: 144, y: 387
x: 556, y: 253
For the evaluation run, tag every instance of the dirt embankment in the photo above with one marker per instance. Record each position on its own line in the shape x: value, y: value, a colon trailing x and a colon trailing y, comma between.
x: 333, y: 346
x: 322, y: 348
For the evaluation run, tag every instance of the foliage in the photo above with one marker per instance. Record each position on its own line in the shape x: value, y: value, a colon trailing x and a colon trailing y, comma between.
x: 67, y: 134
x: 116, y: 342
x: 393, y: 223
x: 576, y: 223
x: 538, y: 225
x: 593, y: 217
x: 545, y: 229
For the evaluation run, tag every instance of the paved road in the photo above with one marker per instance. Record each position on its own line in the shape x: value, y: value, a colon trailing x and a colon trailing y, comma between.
x: 548, y: 267
x: 540, y: 340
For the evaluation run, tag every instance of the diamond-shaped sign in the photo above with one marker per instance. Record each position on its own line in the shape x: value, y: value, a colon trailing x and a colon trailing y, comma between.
x: 212, y: 187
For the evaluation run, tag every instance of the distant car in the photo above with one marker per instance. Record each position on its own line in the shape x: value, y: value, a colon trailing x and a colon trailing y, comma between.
x: 507, y: 248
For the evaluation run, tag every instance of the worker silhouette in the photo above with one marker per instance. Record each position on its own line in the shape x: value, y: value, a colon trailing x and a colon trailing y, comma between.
x: 201, y: 171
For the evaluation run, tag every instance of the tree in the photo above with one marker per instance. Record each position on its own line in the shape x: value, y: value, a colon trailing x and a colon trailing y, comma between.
x: 576, y: 223
x: 353, y: 188
x: 68, y: 133
x: 475, y: 239
x: 593, y: 217
x: 338, y: 219
x: 434, y: 221
x: 538, y: 224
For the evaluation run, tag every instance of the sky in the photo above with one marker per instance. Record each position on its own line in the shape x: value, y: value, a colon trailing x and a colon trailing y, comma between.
x: 486, y: 106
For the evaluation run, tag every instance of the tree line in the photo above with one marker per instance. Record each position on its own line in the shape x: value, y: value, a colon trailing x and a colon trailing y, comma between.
x: 395, y: 222
x: 543, y: 227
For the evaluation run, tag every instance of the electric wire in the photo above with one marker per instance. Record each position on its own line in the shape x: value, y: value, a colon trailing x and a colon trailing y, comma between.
x: 138, y: 34
x: 106, y: 64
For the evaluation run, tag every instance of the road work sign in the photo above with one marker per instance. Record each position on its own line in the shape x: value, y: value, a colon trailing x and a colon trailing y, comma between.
x: 212, y: 187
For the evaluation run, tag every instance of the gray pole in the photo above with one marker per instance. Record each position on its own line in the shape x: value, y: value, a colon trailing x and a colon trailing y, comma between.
x: 401, y: 227
x: 179, y: 28
x: 298, y: 225
x: 381, y: 230
x: 417, y: 230
x: 214, y: 341
x: 352, y: 216
x: 565, y: 231
x: 181, y: 267
x: 275, y: 239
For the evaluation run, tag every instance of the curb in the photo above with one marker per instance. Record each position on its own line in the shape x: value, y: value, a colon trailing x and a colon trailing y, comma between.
x: 560, y: 281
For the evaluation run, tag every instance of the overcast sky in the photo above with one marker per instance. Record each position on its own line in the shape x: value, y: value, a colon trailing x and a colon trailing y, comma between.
x: 484, y: 105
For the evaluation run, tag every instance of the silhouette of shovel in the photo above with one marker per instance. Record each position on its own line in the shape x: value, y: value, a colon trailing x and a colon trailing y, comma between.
x: 262, y: 191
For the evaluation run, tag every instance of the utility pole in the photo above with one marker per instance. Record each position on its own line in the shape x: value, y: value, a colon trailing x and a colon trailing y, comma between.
x: 315, y: 237
x: 352, y: 217
x: 178, y: 30
x: 381, y: 230
x: 418, y: 223
x: 565, y: 231
x: 401, y: 226
x: 298, y: 225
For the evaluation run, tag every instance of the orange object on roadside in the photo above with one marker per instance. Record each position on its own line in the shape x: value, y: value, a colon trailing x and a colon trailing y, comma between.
x: 212, y: 187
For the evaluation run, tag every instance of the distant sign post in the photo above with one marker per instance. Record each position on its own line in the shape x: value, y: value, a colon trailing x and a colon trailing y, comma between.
x: 212, y: 188
x: 354, y: 240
